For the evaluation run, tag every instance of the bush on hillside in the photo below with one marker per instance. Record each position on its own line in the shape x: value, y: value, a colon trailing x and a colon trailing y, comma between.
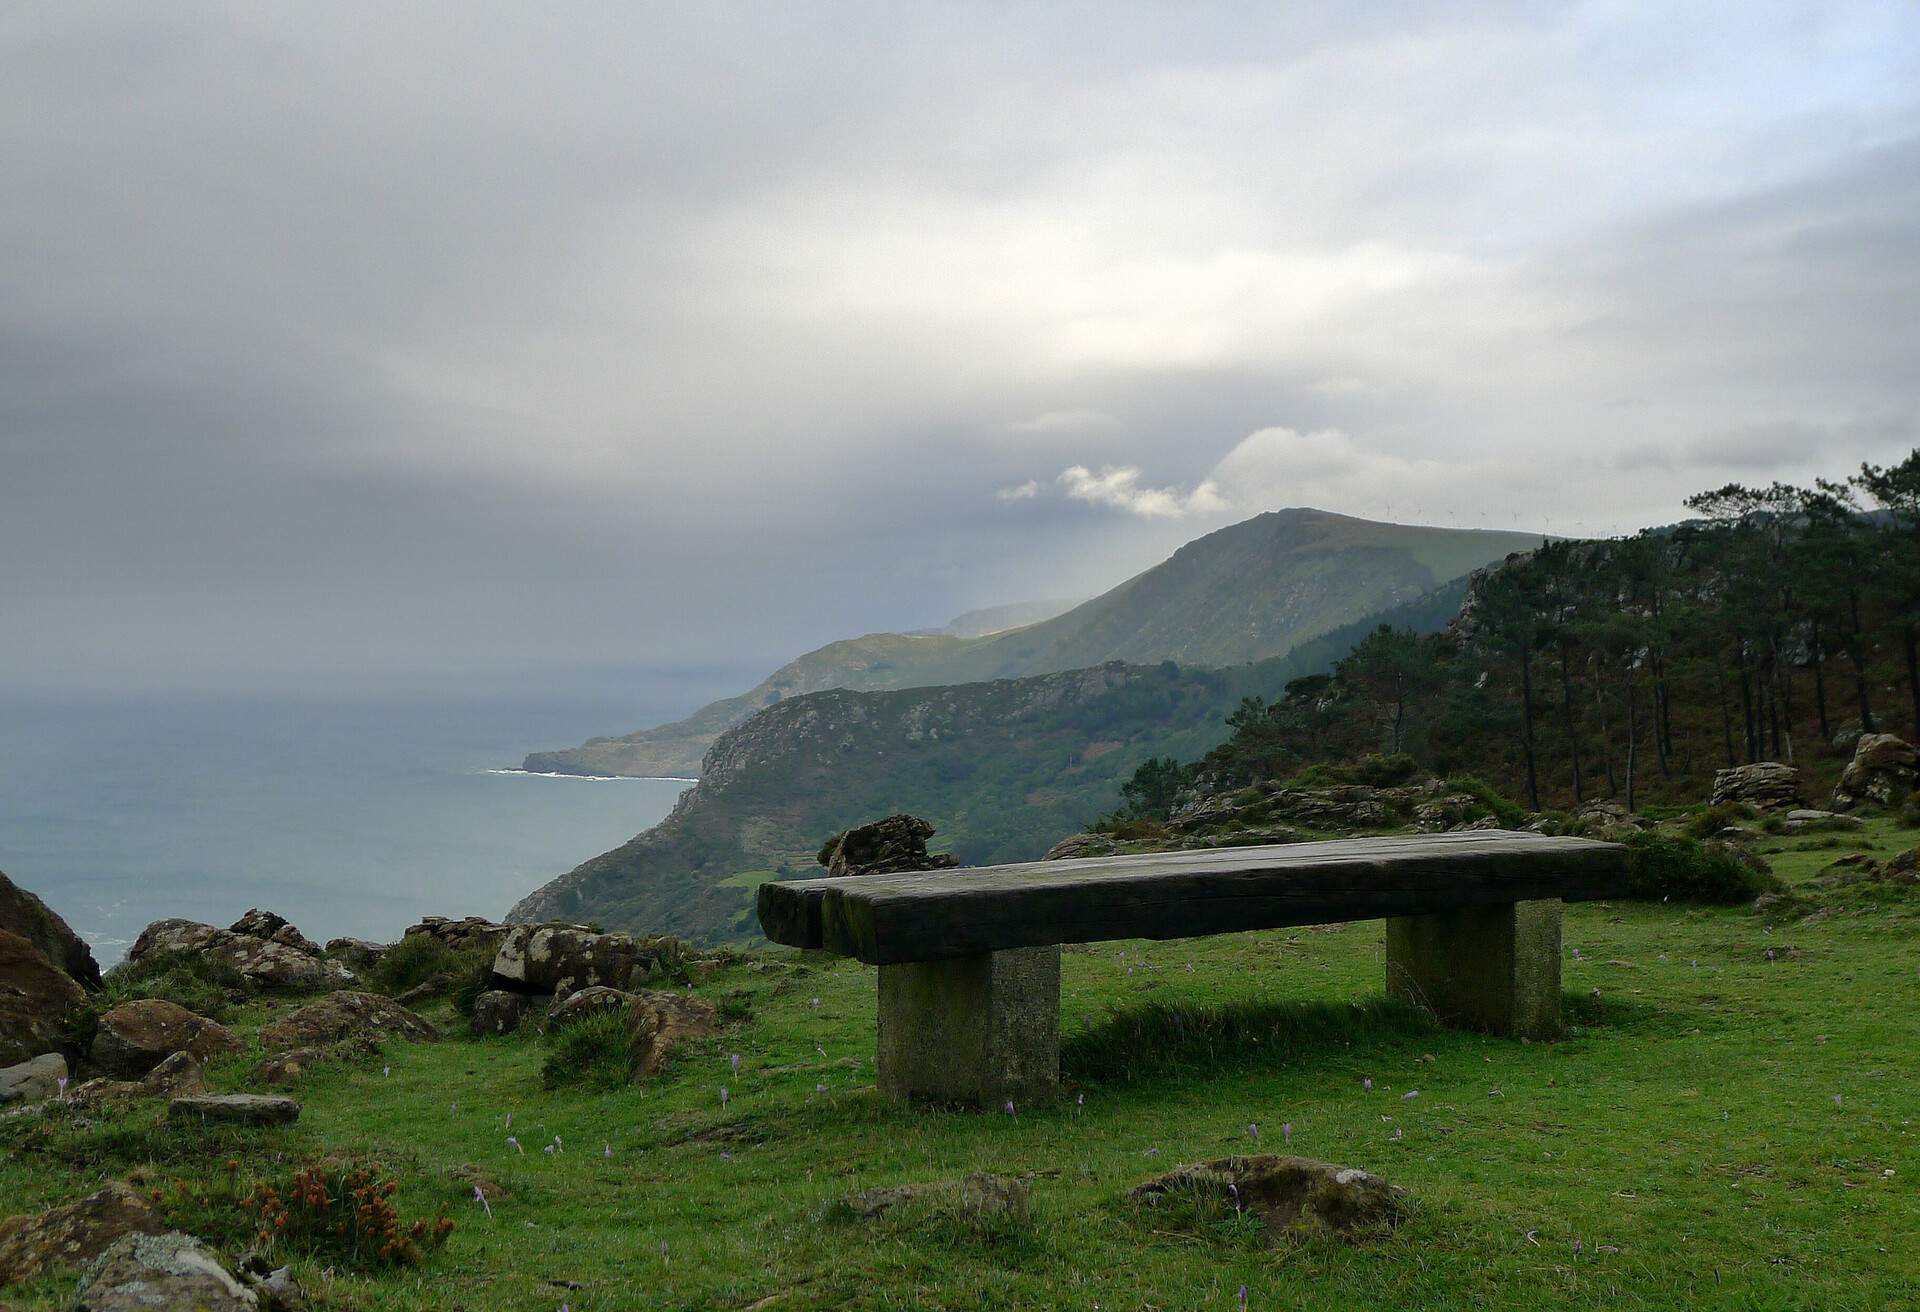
x: 1707, y: 823
x: 418, y: 958
x: 202, y: 984
x: 1511, y: 815
x: 590, y: 1053
x: 1671, y: 868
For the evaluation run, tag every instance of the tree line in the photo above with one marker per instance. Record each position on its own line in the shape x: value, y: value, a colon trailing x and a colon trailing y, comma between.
x: 1777, y: 625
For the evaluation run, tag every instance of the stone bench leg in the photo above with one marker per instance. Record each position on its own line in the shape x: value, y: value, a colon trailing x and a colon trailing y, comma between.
x: 979, y: 1030
x: 1488, y: 968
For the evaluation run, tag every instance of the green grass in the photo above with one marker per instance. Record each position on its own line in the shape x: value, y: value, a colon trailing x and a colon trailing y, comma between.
x: 1714, y: 1132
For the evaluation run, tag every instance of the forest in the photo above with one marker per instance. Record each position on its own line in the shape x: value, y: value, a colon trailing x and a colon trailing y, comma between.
x: 1780, y: 623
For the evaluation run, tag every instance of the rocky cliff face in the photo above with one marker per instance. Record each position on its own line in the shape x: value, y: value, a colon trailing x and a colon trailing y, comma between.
x: 1002, y: 768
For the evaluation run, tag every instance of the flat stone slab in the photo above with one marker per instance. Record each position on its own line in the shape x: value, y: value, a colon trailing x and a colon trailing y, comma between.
x: 34, y: 1080
x: 238, y: 1108
x: 934, y: 916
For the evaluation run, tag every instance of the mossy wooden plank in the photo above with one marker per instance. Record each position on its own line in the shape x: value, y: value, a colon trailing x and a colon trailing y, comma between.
x: 884, y: 919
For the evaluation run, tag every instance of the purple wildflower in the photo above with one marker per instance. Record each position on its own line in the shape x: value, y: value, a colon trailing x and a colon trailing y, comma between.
x: 1367, y: 1084
x: 734, y: 1061
x: 386, y: 1071
x: 1243, y: 1298
x: 813, y: 1004
x: 1009, y: 1107
x: 1399, y: 1133
x: 1576, y: 954
x: 1286, y: 1131
x: 1234, y: 1189
x: 1410, y: 1093
x: 1769, y: 954
x: 819, y: 1088
x: 62, y: 1081
x: 1253, y: 1131
x: 515, y: 1144
x: 606, y: 1151
x: 1080, y: 1100
x: 723, y: 1095
x: 548, y: 1150
x: 480, y: 1197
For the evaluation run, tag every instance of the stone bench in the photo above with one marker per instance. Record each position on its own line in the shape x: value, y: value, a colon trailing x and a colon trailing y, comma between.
x: 970, y: 959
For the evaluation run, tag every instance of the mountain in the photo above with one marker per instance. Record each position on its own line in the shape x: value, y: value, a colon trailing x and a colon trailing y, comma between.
x: 998, y: 619
x: 1244, y: 593
x: 1003, y: 768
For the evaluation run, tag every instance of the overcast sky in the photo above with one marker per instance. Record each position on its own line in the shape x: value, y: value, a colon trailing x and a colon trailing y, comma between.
x: 345, y: 339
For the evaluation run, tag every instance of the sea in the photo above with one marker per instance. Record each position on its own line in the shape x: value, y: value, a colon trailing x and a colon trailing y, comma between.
x: 353, y: 814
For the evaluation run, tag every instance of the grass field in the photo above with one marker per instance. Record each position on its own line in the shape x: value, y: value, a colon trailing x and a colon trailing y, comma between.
x: 1720, y: 1129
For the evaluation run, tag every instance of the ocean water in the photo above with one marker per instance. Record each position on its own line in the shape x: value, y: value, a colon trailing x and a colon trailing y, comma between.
x: 350, y: 816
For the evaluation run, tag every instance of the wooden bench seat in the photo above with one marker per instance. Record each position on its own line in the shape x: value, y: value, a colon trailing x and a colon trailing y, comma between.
x: 970, y: 959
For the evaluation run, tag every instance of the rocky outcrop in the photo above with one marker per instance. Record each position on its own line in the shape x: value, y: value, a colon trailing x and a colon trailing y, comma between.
x: 1765, y: 786
x: 1883, y: 770
x: 274, y: 928
x: 294, y: 1065
x: 1290, y: 1195
x: 889, y: 846
x: 174, y: 1077
x: 24, y: 914
x: 587, y: 1002
x: 659, y: 1022
x: 1074, y: 846
x: 234, y: 1109
x: 561, y: 959
x: 36, y: 997
x: 467, y: 933
x: 265, y: 962
x: 340, y: 1017
x: 137, y: 1036
x: 169, y: 1272
x: 33, y: 1081
x: 71, y: 1236
x: 357, y: 954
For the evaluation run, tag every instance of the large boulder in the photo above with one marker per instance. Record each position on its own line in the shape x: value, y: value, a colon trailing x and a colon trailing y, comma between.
x: 460, y: 935
x: 562, y: 959
x: 342, y: 1016
x: 1764, y: 785
x: 1883, y: 770
x: 359, y: 955
x: 658, y: 1021
x: 266, y: 962
x: 36, y: 997
x: 1290, y: 1195
x: 895, y: 844
x: 30, y: 918
x: 33, y: 1081
x: 137, y: 1036
x: 71, y: 1236
x: 169, y: 1272
x: 275, y: 928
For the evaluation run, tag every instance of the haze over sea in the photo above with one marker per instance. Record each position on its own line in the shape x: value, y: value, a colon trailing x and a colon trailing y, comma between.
x: 354, y: 814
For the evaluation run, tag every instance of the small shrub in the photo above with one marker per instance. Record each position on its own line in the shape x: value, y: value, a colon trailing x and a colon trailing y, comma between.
x: 1510, y: 814
x: 202, y: 984
x: 475, y: 978
x: 735, y: 1005
x: 415, y: 959
x: 342, y: 1214
x: 589, y: 1053
x: 1385, y: 771
x: 673, y: 959
x: 1707, y: 823
x: 1774, y: 824
x: 1668, y: 867
x: 1909, y: 814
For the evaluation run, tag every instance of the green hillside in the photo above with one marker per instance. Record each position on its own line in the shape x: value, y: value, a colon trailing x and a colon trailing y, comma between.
x: 1247, y: 592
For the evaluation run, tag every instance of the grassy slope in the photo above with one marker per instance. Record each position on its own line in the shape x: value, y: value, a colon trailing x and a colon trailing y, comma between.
x: 1686, y: 1134
x: 1247, y: 592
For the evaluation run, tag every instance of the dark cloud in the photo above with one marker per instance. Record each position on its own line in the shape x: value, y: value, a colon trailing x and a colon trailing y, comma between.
x: 359, y: 338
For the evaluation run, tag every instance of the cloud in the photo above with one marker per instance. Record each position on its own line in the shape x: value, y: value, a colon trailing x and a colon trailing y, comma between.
x: 1026, y: 491
x: 1067, y: 423
x: 1119, y: 488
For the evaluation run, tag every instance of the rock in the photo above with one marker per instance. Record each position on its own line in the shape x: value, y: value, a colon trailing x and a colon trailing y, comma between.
x: 1847, y: 736
x: 560, y: 959
x: 135, y: 1037
x: 339, y: 1016
x: 1803, y: 821
x: 169, y: 1272
x: 1288, y: 1194
x: 889, y: 846
x: 33, y: 920
x: 73, y: 1235
x: 586, y: 1002
x: 36, y: 997
x: 1079, y: 845
x: 978, y: 1199
x: 497, y: 1011
x: 275, y: 928
x: 1453, y: 811
x: 273, y: 1285
x: 34, y: 1080
x: 1765, y: 786
x: 174, y: 1077
x: 1882, y: 770
x: 357, y: 954
x: 235, y: 1108
x: 463, y: 934
x: 659, y: 1021
x: 265, y: 962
